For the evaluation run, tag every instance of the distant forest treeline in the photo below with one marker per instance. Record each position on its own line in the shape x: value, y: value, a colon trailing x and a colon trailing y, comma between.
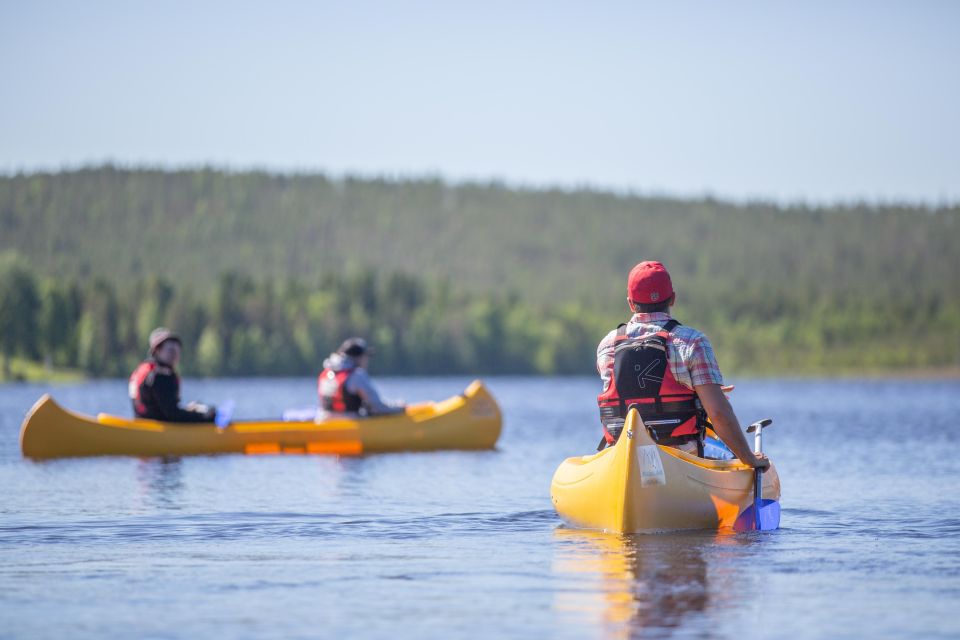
x: 244, y: 327
x: 265, y: 274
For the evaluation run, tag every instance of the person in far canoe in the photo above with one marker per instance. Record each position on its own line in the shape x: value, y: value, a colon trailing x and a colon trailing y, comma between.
x: 344, y: 385
x: 155, y: 386
x: 669, y: 370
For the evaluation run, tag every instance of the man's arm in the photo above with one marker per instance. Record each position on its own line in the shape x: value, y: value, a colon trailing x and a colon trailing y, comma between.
x: 726, y: 425
x: 165, y: 394
x: 359, y: 383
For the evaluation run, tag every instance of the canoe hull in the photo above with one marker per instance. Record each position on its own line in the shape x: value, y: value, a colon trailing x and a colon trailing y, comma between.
x: 471, y: 420
x: 638, y: 486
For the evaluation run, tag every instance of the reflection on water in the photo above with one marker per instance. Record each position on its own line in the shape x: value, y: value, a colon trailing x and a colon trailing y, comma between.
x: 636, y: 585
x: 349, y: 476
x: 160, y: 481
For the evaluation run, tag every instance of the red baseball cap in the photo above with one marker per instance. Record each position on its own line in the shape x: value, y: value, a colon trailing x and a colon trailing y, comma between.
x: 649, y: 283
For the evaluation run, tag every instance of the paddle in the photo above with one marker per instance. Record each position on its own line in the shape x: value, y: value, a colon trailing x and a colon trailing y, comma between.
x: 224, y: 413
x: 763, y: 514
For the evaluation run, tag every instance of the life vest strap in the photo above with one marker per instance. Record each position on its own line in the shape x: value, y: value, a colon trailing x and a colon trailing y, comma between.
x: 611, y: 433
x: 612, y: 412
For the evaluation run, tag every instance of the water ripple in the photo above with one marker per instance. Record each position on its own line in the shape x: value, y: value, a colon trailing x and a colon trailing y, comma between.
x: 235, y: 526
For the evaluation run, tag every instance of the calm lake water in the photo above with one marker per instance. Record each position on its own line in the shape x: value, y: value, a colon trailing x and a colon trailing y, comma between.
x: 458, y: 544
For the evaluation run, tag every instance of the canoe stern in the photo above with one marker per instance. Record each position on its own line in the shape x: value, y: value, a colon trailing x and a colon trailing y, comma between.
x: 638, y: 486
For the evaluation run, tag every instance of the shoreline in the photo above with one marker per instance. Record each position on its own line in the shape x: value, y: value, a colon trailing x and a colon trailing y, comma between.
x: 35, y: 373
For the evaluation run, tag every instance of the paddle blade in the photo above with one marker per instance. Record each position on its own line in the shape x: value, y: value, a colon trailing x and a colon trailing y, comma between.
x: 224, y: 414
x: 769, y: 517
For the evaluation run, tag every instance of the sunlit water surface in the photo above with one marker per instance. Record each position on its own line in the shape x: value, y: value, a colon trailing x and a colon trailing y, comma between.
x: 461, y: 544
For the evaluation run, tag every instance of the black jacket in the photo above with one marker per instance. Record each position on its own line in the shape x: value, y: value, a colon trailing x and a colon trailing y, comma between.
x: 155, y: 392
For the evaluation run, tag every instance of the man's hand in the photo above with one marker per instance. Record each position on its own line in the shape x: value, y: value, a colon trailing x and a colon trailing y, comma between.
x: 763, y: 463
x: 209, y: 412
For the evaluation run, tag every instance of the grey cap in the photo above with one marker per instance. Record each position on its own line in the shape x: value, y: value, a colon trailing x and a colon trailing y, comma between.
x: 160, y: 335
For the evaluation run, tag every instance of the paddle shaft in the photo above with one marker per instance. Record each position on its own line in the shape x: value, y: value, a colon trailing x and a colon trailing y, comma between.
x: 757, y: 480
x: 766, y: 513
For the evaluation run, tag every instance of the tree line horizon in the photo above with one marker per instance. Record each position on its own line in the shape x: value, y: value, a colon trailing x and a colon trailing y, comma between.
x: 264, y: 274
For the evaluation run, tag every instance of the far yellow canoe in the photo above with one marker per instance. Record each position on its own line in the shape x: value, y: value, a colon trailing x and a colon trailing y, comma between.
x: 470, y: 420
x: 637, y: 485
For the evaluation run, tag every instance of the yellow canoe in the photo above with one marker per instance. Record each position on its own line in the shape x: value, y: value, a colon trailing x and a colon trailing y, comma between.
x: 637, y: 485
x: 470, y: 420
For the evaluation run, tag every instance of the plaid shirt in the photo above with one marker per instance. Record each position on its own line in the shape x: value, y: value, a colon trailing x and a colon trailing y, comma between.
x: 691, y: 357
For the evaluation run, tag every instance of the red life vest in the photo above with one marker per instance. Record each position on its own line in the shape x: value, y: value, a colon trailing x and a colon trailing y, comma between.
x: 334, y: 396
x: 642, y: 377
x: 140, y: 387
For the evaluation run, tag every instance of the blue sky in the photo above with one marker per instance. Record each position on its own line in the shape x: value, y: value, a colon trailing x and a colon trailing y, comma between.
x: 817, y: 101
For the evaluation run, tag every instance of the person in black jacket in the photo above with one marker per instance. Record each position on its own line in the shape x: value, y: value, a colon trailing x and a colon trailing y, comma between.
x: 155, y: 386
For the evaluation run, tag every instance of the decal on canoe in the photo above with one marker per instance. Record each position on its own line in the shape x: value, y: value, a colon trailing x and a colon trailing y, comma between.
x: 651, y: 468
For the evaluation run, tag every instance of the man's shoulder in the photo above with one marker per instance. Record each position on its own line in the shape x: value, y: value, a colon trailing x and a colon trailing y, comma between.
x: 163, y: 370
x: 162, y: 376
x: 611, y: 334
x: 689, y: 338
x: 687, y: 330
x: 680, y: 333
x: 358, y: 375
x: 687, y: 333
x: 608, y: 339
x: 153, y: 369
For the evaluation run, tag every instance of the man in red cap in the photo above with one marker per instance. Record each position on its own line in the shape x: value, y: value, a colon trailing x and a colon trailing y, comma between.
x: 668, y: 370
x: 155, y: 386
